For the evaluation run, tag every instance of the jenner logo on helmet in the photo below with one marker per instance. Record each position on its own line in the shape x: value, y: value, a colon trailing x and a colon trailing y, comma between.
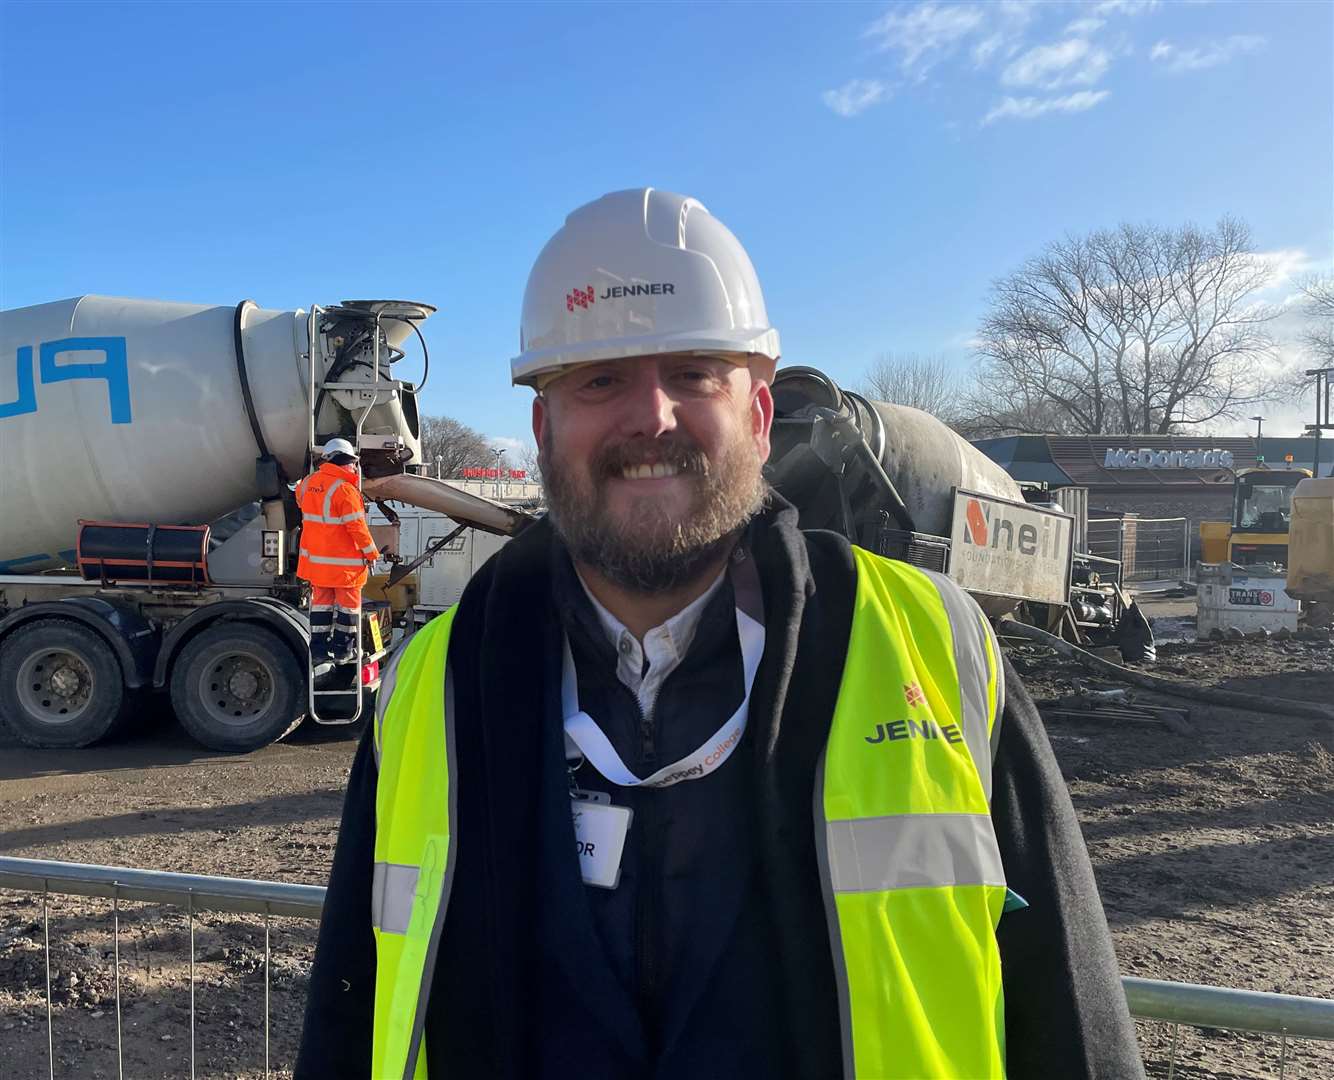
x: 585, y: 298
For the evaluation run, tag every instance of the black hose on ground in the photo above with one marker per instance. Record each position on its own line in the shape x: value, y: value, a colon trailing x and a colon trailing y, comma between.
x: 1193, y: 691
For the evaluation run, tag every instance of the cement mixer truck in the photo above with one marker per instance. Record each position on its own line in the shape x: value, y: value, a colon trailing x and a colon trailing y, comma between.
x: 148, y: 533
x: 897, y: 481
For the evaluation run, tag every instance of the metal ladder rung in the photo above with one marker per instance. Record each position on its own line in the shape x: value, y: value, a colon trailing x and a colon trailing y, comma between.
x: 326, y: 693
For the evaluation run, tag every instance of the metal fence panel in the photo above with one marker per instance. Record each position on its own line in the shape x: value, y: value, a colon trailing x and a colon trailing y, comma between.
x: 1149, y: 549
x: 1149, y: 999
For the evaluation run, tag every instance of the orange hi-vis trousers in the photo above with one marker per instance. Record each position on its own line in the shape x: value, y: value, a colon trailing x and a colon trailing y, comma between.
x: 334, y: 609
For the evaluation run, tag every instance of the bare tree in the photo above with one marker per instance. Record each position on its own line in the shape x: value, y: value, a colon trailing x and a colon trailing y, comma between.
x: 1319, y: 308
x: 1136, y: 330
x: 527, y: 460
x: 982, y: 416
x: 928, y: 383
x: 453, y: 446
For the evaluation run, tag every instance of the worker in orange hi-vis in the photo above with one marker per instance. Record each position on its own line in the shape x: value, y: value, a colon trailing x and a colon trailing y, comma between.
x: 336, y: 551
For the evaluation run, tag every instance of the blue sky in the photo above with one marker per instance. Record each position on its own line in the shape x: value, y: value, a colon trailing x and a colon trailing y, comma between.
x: 882, y: 163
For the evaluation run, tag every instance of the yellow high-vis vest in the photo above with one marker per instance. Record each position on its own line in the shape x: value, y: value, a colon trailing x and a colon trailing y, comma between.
x: 911, y: 872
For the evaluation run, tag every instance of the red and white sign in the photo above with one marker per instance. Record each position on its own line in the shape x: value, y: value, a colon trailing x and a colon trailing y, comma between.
x: 493, y: 474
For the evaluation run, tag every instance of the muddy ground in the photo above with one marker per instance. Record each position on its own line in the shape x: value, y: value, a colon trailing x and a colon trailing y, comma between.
x: 1213, y: 846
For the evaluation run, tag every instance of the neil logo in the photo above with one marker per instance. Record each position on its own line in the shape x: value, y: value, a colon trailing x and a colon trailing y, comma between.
x: 986, y: 525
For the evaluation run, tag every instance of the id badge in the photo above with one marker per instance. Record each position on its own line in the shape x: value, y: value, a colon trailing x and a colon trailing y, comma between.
x: 599, y: 839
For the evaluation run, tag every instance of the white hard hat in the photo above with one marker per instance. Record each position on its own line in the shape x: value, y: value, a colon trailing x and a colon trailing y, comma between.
x: 637, y: 273
x: 338, y: 446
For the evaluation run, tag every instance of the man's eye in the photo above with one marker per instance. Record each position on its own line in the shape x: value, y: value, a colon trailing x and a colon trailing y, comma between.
x: 599, y: 382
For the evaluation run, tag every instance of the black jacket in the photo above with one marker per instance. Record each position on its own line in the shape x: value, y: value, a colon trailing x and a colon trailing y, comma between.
x: 511, y: 965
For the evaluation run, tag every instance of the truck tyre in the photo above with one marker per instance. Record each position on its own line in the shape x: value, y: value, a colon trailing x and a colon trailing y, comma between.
x: 237, y: 686
x: 60, y: 684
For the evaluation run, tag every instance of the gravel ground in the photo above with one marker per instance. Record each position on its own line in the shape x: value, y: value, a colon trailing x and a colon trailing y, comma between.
x: 1213, y: 846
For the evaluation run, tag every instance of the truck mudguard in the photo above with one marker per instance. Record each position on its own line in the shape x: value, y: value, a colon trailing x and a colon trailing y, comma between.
x: 129, y: 634
x: 289, y: 622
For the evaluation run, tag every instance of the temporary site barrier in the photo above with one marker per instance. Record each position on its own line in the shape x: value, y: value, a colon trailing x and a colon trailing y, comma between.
x: 1285, y: 1015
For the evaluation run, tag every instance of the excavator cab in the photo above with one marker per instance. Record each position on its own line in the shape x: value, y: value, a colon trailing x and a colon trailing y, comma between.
x: 1261, y: 515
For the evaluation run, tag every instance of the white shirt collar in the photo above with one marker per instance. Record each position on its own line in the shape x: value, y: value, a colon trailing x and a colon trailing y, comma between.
x: 664, y: 646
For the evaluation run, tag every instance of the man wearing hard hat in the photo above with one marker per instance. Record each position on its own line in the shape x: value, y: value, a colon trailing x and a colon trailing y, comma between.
x: 678, y: 790
x: 336, y: 552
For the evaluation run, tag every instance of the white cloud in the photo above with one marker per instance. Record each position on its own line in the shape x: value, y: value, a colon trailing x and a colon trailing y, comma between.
x: 1017, y: 10
x: 1286, y: 264
x: 1029, y: 108
x: 1085, y: 26
x: 924, y: 34
x: 1051, y: 66
x: 1003, y: 39
x: 514, y: 448
x: 985, y: 49
x: 1124, y: 7
x: 854, y: 96
x: 1208, y: 55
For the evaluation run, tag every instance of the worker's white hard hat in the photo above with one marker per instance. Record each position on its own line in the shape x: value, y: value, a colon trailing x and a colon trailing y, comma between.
x: 338, y: 446
x: 640, y: 273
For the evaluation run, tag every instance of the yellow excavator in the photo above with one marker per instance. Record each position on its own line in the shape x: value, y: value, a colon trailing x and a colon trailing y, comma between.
x: 1261, y: 518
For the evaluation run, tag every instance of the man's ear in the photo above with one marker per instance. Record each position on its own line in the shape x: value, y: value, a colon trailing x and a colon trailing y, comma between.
x: 539, y: 418
x: 761, y: 417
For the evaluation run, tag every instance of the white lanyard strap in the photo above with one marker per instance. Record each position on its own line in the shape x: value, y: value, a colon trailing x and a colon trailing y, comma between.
x: 584, y: 736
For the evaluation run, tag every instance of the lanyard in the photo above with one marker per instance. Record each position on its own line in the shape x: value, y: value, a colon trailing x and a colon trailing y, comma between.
x: 583, y: 736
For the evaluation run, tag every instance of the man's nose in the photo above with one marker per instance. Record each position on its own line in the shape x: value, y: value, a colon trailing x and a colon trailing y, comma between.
x: 649, y: 409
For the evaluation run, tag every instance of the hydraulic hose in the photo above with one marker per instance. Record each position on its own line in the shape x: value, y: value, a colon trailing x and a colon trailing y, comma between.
x: 1233, y: 698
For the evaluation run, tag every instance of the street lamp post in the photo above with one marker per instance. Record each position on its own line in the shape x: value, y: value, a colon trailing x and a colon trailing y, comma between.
x: 499, y: 454
x: 1259, y: 426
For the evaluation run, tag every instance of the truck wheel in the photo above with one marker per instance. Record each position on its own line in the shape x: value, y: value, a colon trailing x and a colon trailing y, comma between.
x: 237, y: 686
x: 60, y: 684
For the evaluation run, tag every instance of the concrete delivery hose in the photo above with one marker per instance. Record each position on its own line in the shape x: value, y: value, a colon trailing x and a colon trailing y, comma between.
x: 1233, y: 698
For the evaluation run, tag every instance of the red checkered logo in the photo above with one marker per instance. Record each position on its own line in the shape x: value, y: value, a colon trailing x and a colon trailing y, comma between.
x: 582, y: 298
x: 914, y: 694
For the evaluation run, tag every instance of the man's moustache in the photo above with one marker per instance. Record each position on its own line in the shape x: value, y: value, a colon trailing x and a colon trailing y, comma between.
x: 613, y: 461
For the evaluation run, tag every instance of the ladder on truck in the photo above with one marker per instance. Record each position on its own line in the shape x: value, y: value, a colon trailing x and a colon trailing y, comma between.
x: 358, y: 398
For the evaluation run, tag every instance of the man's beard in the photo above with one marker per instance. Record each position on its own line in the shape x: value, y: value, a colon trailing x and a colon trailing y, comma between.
x: 646, y: 550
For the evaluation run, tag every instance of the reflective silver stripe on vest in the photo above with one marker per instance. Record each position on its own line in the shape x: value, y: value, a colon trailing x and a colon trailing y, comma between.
x: 993, y: 643
x: 974, y: 667
x: 446, y: 886
x: 912, y: 851
x: 388, y: 678
x: 331, y: 560
x: 328, y: 496
x: 392, y: 889
x: 322, y: 520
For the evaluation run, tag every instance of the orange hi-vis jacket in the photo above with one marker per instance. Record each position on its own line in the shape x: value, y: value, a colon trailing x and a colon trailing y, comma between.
x: 336, y: 541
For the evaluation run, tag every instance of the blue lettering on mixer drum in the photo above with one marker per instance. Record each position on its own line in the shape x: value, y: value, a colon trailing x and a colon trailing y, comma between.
x: 113, y: 368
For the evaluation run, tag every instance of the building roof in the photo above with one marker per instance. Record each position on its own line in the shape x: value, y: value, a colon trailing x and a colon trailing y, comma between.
x: 1081, y: 460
